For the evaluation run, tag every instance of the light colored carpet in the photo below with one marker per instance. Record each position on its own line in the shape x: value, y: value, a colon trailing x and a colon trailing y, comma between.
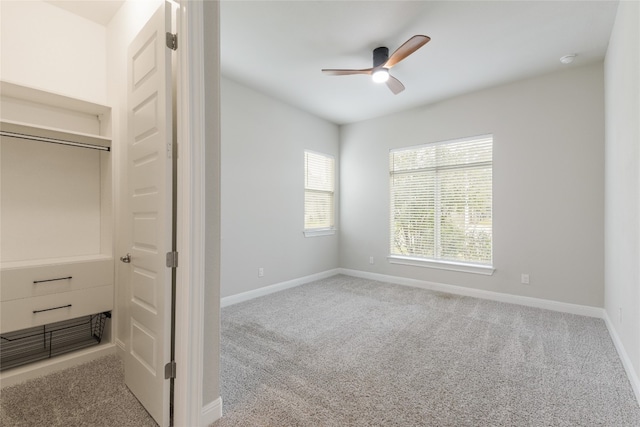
x: 351, y: 352
x: 92, y: 394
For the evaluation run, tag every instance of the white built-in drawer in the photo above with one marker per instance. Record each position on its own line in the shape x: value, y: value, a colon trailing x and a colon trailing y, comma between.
x: 46, y: 279
x: 36, y: 311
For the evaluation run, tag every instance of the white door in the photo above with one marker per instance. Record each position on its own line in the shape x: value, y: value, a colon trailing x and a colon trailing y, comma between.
x: 150, y: 214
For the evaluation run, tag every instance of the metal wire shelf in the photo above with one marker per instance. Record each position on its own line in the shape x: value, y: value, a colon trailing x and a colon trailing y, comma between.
x: 43, y: 342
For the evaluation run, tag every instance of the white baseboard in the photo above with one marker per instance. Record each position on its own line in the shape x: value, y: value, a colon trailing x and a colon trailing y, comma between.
x: 121, y: 349
x: 246, y: 296
x: 624, y: 357
x: 563, y: 307
x: 211, y: 412
x: 49, y: 366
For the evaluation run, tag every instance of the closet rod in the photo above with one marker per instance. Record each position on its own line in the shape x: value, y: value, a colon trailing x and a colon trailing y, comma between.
x: 53, y: 140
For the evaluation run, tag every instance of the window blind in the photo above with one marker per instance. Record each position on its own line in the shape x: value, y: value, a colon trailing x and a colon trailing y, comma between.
x: 441, y: 201
x: 318, y: 191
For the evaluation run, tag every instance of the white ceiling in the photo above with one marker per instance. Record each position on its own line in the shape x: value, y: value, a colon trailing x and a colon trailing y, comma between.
x: 279, y: 47
x: 99, y: 11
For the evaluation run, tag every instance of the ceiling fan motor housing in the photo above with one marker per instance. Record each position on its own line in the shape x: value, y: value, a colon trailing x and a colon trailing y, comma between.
x: 380, y: 56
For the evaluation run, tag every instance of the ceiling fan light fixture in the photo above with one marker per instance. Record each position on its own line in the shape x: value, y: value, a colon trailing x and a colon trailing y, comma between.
x: 381, y: 75
x: 382, y: 62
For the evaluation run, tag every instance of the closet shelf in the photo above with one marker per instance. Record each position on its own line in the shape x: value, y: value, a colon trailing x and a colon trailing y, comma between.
x: 53, y: 261
x: 31, y: 94
x: 46, y: 134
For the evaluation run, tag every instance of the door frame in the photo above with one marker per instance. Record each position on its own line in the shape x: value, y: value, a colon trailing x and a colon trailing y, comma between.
x: 189, y: 408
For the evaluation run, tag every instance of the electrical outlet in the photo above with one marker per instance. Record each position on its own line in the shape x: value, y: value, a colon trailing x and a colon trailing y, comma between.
x: 370, y: 260
x: 260, y: 272
x: 524, y: 279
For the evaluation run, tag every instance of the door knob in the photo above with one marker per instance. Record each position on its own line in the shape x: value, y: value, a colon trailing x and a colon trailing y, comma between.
x: 126, y: 259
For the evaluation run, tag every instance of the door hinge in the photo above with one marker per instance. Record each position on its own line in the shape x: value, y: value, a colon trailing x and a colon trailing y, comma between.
x: 172, y: 41
x: 172, y: 259
x: 170, y: 370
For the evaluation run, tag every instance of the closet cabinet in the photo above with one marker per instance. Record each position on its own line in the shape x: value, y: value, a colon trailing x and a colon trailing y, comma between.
x: 53, y: 291
x: 56, y: 256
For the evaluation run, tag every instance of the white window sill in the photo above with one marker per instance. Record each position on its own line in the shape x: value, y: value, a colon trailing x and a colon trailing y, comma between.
x: 486, y: 270
x: 319, y: 232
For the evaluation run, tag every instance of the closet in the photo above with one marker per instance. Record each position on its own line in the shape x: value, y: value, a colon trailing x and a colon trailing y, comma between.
x: 87, y: 247
x: 56, y: 224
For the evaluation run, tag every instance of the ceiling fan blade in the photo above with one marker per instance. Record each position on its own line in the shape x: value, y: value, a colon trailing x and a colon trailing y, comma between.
x: 395, y: 85
x: 410, y: 46
x: 333, y: 72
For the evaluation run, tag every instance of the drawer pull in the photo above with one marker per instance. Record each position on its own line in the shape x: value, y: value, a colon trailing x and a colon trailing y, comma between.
x: 52, y: 280
x: 49, y: 309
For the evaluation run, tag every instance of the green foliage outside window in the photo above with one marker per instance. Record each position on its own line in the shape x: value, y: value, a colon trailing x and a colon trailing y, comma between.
x: 441, y: 201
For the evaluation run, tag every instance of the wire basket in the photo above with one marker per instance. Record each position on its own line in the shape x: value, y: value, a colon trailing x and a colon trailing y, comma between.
x: 43, y: 342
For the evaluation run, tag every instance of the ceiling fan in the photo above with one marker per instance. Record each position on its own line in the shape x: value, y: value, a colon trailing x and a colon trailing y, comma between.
x: 382, y: 62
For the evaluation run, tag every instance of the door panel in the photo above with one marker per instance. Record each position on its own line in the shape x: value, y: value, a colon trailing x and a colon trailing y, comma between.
x: 150, y: 212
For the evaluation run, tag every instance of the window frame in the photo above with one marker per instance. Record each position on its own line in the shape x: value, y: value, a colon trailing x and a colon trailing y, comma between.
x: 320, y: 231
x: 436, y: 262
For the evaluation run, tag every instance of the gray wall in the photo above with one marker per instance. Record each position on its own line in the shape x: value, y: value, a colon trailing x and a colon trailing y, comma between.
x: 622, y: 180
x: 262, y: 200
x: 548, y: 184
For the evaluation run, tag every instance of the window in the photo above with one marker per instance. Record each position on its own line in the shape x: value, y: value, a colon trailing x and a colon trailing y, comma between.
x: 441, y: 202
x: 318, y: 194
